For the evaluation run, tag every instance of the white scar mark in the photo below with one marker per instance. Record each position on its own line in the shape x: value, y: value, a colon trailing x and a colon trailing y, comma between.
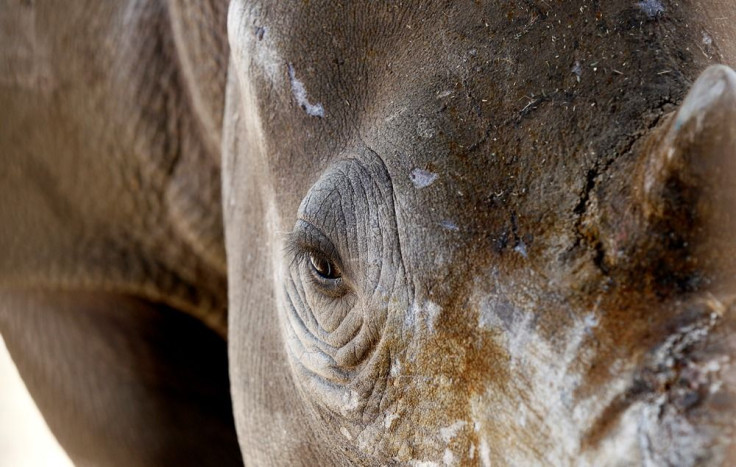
x: 448, y: 458
x: 427, y: 311
x: 300, y: 94
x: 422, y: 178
x: 448, y: 433
x: 652, y: 8
x: 449, y: 225
x: 389, y: 420
x: 485, y: 453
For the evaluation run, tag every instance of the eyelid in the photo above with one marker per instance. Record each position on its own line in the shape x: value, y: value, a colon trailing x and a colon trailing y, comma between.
x: 307, y: 238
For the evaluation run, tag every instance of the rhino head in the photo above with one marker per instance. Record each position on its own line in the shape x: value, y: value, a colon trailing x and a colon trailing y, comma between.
x: 481, y: 232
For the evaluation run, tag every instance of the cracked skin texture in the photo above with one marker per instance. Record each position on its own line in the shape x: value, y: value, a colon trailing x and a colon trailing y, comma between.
x: 538, y: 298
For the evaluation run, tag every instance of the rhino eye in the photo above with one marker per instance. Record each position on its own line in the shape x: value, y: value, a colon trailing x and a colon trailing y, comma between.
x: 323, y: 267
x: 314, y: 253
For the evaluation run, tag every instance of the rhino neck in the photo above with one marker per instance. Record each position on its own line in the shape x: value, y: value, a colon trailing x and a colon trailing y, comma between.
x: 114, y: 174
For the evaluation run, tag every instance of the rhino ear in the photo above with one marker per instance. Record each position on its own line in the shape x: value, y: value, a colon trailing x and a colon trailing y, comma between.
x: 687, y: 180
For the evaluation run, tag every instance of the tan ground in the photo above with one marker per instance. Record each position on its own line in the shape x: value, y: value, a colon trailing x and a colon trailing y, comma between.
x: 25, y: 440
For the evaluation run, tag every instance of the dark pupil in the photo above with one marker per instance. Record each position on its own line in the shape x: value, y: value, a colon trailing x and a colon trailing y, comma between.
x: 323, y: 267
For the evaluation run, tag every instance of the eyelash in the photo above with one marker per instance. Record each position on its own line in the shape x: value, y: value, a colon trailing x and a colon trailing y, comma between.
x: 302, y: 247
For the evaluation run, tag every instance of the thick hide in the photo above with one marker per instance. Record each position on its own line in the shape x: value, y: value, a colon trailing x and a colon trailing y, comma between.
x: 432, y: 233
x: 482, y: 233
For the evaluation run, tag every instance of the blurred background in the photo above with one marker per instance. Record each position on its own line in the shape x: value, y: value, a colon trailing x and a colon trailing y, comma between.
x: 25, y: 440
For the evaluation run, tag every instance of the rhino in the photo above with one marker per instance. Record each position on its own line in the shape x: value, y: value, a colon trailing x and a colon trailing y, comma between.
x: 373, y: 233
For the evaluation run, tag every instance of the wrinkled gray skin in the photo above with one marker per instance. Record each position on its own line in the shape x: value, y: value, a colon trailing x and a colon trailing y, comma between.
x: 460, y: 233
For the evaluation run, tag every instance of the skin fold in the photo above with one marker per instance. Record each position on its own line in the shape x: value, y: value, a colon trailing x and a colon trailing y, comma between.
x: 426, y: 233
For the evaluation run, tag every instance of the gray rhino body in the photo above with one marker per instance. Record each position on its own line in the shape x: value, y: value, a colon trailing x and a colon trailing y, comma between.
x: 456, y: 233
x: 110, y: 182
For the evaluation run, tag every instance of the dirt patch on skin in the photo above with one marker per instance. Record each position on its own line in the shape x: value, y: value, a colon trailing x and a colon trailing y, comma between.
x: 452, y: 365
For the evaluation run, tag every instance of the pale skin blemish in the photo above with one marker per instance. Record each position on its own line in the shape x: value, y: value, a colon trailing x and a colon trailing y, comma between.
x: 433, y: 311
x: 396, y: 368
x: 427, y: 311
x: 389, y: 420
x: 422, y: 178
x: 448, y: 458
x: 577, y: 70
x: 300, y: 94
x: 448, y: 433
x: 449, y: 225
x: 485, y: 453
x: 351, y: 400
x: 521, y: 249
x: 707, y: 40
x: 418, y: 463
x: 652, y: 8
